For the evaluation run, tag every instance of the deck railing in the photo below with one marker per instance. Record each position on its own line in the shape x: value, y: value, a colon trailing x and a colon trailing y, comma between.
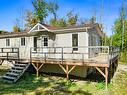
x: 73, y: 53
x: 9, y: 53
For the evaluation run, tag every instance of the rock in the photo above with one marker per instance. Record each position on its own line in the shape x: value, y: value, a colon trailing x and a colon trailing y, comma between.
x: 8, y: 64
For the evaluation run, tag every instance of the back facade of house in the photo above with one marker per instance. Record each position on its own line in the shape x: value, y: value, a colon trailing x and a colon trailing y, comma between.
x: 47, y: 39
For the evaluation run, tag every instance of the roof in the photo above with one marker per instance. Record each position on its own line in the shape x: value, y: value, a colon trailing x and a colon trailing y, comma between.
x: 68, y: 27
x: 52, y: 29
x: 13, y: 34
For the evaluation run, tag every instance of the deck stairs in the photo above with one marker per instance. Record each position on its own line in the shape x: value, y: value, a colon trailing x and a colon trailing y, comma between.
x: 15, y: 72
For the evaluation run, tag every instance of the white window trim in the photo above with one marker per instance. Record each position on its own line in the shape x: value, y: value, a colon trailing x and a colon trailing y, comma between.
x: 47, y: 42
x: 21, y: 42
x: 9, y: 42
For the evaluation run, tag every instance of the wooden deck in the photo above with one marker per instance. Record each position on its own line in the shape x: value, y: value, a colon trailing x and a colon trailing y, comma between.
x: 108, y: 61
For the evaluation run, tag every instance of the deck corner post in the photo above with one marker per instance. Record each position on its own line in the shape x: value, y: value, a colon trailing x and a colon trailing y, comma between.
x: 106, y: 78
x: 37, y: 74
x: 67, y: 74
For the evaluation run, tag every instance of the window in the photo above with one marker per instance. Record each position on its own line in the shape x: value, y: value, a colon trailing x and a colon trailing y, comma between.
x: 75, y: 41
x: 22, y: 41
x: 45, y: 41
x: 35, y: 43
x: 7, y: 42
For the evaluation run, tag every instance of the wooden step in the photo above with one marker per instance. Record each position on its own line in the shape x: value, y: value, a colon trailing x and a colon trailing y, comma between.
x: 21, y: 65
x: 17, y: 71
x: 18, y: 68
x: 12, y: 74
x: 9, y: 77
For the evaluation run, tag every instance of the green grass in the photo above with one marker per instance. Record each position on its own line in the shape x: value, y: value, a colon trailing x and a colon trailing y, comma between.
x: 123, y: 57
x: 29, y: 84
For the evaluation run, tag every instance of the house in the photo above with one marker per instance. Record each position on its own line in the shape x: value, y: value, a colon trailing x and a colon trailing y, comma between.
x: 42, y: 35
x: 73, y: 50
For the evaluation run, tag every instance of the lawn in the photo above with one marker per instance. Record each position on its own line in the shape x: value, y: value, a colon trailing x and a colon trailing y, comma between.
x: 29, y: 84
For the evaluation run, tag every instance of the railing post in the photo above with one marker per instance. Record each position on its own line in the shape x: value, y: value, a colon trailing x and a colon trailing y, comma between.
x: 45, y: 56
x: 18, y: 52
x: 7, y: 55
x: 2, y: 50
x: 30, y: 55
x: 62, y: 55
x: 109, y: 55
x: 82, y: 57
x: 12, y: 50
x: 54, y: 50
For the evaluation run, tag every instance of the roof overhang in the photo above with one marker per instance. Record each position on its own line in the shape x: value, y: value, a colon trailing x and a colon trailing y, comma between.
x: 39, y: 28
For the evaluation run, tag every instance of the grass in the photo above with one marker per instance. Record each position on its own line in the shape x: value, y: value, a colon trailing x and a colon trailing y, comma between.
x: 123, y: 57
x: 29, y: 84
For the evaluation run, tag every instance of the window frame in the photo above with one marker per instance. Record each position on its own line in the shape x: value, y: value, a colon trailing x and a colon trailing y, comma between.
x: 23, y: 41
x: 7, y: 42
x: 75, y: 44
x: 45, y: 44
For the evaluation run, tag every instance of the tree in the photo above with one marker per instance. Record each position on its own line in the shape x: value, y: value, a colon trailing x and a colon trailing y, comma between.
x: 53, y: 22
x: 83, y: 21
x: 58, y: 23
x: 31, y: 20
x: 40, y: 9
x: 62, y: 22
x: 106, y: 40
x: 120, y: 29
x: 72, y: 18
x: 16, y: 29
x: 3, y: 31
x: 53, y: 7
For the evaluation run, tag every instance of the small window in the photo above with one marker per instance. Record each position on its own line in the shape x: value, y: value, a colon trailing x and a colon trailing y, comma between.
x: 35, y: 43
x: 75, y: 41
x: 45, y: 41
x: 22, y: 41
x: 7, y: 42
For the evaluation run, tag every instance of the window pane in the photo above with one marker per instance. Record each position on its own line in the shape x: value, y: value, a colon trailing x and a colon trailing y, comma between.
x: 7, y: 42
x: 45, y: 41
x: 35, y: 43
x: 22, y: 41
x: 75, y: 41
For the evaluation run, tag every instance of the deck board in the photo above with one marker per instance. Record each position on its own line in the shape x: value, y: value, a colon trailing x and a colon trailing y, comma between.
x: 99, y: 61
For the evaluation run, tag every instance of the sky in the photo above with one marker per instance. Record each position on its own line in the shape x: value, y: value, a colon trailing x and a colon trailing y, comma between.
x: 11, y: 9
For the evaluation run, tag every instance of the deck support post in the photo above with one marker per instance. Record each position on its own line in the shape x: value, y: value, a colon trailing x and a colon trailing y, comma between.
x: 67, y: 74
x: 67, y: 70
x: 1, y: 61
x: 106, y: 78
x: 105, y: 75
x: 111, y: 71
x: 37, y: 67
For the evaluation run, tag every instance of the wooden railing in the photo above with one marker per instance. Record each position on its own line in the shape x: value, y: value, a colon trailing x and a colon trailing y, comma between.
x: 63, y: 53
x: 9, y: 53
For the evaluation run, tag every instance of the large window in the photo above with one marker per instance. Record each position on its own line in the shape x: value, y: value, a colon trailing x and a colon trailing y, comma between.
x: 7, y: 42
x: 45, y: 41
x: 75, y: 42
x: 23, y: 42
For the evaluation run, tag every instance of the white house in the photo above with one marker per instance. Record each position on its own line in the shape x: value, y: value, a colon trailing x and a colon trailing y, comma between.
x: 48, y: 37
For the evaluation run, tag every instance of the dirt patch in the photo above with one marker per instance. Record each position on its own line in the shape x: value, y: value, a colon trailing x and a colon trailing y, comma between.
x: 122, y: 67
